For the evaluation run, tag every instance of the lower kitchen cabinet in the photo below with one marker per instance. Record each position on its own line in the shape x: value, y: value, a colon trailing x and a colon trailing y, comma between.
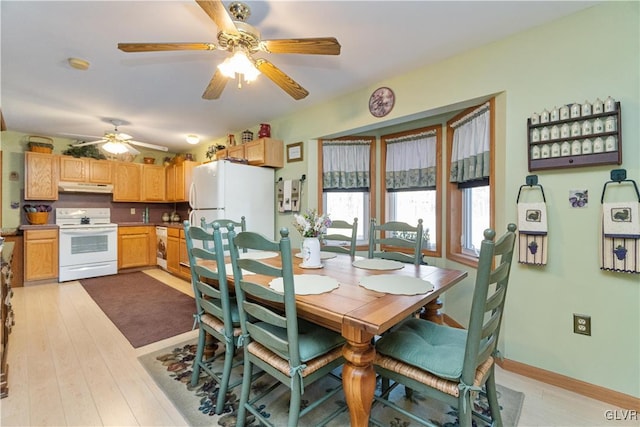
x: 177, y: 256
x: 136, y: 246
x: 40, y: 254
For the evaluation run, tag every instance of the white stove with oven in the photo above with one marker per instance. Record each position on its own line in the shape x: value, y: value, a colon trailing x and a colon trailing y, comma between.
x: 88, y: 243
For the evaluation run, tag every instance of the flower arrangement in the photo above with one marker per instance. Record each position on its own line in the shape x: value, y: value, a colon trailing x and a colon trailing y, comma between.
x: 311, y: 224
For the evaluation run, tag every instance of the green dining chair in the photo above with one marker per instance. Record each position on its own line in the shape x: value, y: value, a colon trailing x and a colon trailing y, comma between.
x: 216, y: 312
x: 293, y: 351
x: 447, y: 363
x: 208, y: 226
x: 396, y: 241
x: 342, y: 243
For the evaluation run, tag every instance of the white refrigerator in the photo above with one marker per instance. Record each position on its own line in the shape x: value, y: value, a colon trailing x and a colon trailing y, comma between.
x: 228, y: 190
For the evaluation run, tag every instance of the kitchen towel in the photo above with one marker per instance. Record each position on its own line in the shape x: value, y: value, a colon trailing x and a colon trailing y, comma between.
x: 620, y: 246
x: 532, y: 229
x: 288, y: 195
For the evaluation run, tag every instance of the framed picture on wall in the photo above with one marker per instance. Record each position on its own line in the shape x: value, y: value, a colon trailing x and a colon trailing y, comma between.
x: 294, y: 152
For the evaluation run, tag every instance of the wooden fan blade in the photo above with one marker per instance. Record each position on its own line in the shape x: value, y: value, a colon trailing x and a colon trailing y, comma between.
x: 147, y: 145
x: 160, y: 47
x: 217, y: 12
x: 3, y: 125
x: 312, y: 46
x: 281, y: 79
x: 216, y: 86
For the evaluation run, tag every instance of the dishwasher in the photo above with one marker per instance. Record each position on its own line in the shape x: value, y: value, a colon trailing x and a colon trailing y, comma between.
x: 161, y: 247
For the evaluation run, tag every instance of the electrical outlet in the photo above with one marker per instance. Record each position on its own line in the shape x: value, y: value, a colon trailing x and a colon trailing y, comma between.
x: 581, y: 324
x: 133, y: 211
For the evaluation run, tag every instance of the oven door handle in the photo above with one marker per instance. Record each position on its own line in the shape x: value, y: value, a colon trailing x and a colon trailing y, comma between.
x: 101, y: 230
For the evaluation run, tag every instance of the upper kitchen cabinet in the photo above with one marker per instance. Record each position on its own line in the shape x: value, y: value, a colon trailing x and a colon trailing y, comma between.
x: 127, y: 185
x: 265, y: 152
x: 178, y: 180
x: 235, y: 152
x: 100, y: 171
x: 259, y: 152
x: 41, y: 176
x: 85, y: 169
x: 153, y: 183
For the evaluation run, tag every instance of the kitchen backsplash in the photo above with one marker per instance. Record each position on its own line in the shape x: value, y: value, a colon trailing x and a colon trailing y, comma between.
x: 120, y: 211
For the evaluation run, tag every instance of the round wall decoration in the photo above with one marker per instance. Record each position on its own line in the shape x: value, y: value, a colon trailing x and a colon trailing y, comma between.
x: 381, y: 102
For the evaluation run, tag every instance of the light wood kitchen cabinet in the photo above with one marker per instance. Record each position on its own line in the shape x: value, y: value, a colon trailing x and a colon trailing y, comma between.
x: 178, y: 181
x: 40, y: 176
x: 153, y: 183
x: 73, y: 169
x: 236, y: 152
x: 127, y: 185
x: 173, y: 250
x: 184, y: 267
x: 177, y: 256
x: 265, y: 152
x: 136, y: 246
x: 100, y: 171
x: 84, y: 169
x: 40, y: 254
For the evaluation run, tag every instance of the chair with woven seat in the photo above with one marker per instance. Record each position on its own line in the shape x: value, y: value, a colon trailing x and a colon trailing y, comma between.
x: 216, y: 312
x: 291, y: 350
x: 447, y: 363
x: 339, y: 239
x: 396, y: 241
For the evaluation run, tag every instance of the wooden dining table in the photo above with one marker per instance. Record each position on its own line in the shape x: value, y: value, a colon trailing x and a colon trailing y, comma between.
x: 360, y: 314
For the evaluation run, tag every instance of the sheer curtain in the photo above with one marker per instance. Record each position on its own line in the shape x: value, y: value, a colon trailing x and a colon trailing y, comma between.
x: 411, y: 162
x: 471, y: 144
x: 345, y: 165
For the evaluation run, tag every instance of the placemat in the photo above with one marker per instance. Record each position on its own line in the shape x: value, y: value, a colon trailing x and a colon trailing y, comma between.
x: 307, y: 284
x: 258, y: 255
x: 378, y: 264
x: 399, y: 285
x: 323, y: 255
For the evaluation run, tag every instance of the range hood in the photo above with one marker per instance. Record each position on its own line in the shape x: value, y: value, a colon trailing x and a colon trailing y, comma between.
x: 84, y: 187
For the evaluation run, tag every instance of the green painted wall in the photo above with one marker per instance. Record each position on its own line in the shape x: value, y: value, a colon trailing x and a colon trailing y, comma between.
x: 589, y: 55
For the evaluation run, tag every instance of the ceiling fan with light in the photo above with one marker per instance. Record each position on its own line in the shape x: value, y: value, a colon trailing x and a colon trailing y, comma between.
x: 115, y: 142
x: 243, y: 41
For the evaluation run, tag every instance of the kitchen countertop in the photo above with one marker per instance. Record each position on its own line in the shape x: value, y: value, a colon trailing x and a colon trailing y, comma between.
x: 38, y: 227
x: 151, y: 224
x: 120, y: 224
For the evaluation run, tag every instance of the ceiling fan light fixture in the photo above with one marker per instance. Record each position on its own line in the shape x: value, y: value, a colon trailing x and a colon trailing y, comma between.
x: 239, y: 63
x: 114, y: 147
x: 193, y: 139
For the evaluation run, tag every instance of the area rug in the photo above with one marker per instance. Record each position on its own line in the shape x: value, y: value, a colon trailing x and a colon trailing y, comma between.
x: 171, y: 369
x: 144, y: 309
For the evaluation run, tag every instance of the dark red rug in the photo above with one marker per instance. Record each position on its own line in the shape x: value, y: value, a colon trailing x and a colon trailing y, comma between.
x: 144, y: 309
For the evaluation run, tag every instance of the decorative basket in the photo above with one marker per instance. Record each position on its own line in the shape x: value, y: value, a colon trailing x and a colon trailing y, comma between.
x: 40, y: 144
x: 37, y: 218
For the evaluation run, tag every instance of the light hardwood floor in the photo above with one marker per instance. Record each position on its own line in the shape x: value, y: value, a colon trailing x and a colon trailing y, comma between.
x: 70, y: 366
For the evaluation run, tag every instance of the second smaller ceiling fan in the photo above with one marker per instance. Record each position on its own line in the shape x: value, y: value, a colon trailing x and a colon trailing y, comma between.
x: 120, y: 143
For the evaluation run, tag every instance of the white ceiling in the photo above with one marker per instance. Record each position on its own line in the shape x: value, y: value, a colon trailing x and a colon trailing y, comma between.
x: 157, y: 95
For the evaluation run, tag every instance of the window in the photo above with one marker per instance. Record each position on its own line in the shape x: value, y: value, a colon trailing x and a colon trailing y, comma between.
x: 470, y: 194
x: 346, y: 206
x: 476, y: 209
x: 411, y: 183
x: 346, y: 167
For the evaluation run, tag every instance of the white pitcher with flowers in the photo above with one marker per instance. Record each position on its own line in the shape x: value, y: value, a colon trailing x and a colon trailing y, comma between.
x: 312, y: 226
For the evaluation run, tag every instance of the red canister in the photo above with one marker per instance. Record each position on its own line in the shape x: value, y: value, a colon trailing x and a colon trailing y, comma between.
x: 265, y: 130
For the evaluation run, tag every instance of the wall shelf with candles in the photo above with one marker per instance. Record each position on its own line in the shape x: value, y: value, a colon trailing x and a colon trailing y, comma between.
x: 575, y: 136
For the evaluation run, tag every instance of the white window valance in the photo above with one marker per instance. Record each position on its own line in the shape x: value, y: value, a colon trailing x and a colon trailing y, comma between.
x: 470, y: 155
x: 411, y: 162
x: 345, y: 165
